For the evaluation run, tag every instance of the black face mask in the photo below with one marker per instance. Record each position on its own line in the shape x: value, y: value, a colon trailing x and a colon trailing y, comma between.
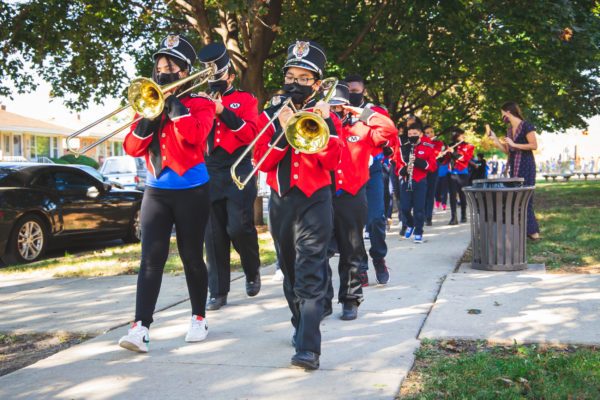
x: 356, y: 99
x: 413, y: 139
x: 165, y: 79
x: 298, y: 93
x: 217, y: 87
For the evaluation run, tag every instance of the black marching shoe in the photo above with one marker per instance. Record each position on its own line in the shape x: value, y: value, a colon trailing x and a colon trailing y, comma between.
x: 216, y: 302
x: 453, y: 221
x: 402, y: 231
x: 306, y: 360
x: 429, y: 222
x: 253, y: 287
x: 463, y: 218
x: 349, y: 311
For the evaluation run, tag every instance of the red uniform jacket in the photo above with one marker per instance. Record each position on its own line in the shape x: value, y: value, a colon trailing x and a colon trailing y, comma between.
x: 181, y: 142
x: 424, y: 151
x: 376, y: 150
x: 459, y: 160
x: 286, y: 167
x: 236, y: 126
x: 438, y: 145
x: 372, y: 130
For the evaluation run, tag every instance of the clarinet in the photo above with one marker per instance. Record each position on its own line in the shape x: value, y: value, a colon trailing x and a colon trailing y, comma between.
x: 410, y: 167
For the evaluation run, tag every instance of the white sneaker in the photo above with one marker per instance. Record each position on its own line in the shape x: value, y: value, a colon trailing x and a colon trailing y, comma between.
x: 137, y: 338
x: 198, y: 330
x: 278, y: 276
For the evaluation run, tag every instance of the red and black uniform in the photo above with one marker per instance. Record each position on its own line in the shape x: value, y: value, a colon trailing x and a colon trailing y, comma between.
x: 301, y: 221
x: 173, y: 145
x: 413, y: 193
x: 432, y: 179
x: 232, y: 210
x: 459, y: 176
x: 360, y: 136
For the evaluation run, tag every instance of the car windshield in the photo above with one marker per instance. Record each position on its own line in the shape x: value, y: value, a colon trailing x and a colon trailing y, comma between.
x: 7, y: 177
x: 118, y: 166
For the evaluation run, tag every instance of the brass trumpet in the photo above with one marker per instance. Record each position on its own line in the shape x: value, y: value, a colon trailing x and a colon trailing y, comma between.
x: 305, y: 131
x: 147, y: 98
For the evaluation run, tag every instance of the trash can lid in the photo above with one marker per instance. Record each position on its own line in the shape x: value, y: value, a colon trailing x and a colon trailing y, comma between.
x: 498, y: 183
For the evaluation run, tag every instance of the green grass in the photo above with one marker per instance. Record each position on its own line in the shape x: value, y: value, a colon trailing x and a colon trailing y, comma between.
x: 478, y: 370
x: 120, y: 260
x: 569, y: 218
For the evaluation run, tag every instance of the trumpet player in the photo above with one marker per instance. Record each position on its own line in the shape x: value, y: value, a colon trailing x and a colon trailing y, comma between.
x: 363, y: 132
x: 416, y: 159
x: 300, y: 207
x: 231, y: 210
x: 177, y: 192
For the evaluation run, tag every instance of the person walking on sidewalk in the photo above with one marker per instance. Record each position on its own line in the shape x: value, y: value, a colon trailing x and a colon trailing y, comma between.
x: 432, y: 176
x: 458, y: 155
x: 519, y: 144
x: 416, y: 159
x: 300, y: 208
x: 376, y: 218
x: 363, y: 131
x: 177, y: 192
x: 231, y: 210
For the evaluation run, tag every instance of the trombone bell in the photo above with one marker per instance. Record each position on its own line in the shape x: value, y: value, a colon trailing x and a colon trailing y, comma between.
x: 146, y: 97
x: 307, y: 132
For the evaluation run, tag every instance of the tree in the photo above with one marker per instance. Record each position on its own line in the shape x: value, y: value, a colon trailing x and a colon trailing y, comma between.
x: 451, y: 61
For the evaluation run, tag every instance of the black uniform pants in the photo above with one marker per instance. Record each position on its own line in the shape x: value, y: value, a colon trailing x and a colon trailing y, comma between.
x: 301, y: 228
x: 231, y: 222
x: 457, y: 182
x: 188, y: 210
x: 349, y: 218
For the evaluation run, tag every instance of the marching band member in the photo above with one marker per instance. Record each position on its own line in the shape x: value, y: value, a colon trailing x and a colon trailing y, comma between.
x: 177, y: 192
x: 363, y: 131
x: 458, y: 154
x: 376, y: 219
x: 432, y: 176
x: 416, y: 159
x: 300, y: 207
x: 232, y: 210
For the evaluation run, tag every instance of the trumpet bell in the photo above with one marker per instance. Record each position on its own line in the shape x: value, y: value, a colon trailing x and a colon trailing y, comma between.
x: 146, y: 97
x: 307, y: 132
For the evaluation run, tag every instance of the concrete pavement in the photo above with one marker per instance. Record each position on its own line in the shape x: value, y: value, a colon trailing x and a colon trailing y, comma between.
x: 526, y: 306
x: 247, y: 353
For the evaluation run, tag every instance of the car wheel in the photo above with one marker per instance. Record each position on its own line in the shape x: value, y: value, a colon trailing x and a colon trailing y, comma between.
x: 28, y: 241
x: 135, y: 229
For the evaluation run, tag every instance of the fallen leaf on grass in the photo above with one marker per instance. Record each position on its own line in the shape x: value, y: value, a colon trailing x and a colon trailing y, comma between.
x: 474, y: 311
x: 506, y: 381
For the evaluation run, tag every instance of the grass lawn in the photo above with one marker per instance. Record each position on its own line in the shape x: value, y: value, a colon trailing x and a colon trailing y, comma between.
x: 478, y: 370
x: 121, y: 260
x: 569, y: 218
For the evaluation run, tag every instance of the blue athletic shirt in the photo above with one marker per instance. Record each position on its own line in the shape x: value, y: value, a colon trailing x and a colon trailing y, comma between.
x: 168, y: 179
x: 442, y: 170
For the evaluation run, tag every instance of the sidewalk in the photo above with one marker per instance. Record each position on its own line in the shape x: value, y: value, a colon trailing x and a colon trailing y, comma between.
x: 247, y: 353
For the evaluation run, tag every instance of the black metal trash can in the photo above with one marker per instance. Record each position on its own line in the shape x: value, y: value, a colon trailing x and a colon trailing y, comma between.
x: 498, y: 210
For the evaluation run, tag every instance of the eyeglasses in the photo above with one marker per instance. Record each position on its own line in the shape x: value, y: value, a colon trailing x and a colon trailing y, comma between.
x: 303, y: 80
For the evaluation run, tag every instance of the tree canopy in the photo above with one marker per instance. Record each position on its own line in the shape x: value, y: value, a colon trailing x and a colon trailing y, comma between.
x: 452, y: 61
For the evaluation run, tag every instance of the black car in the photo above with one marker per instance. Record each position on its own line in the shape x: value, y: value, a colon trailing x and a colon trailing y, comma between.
x: 44, y: 205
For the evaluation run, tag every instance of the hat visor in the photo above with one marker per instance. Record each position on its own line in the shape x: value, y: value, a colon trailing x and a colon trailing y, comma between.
x: 338, y: 102
x: 303, y: 65
x: 168, y: 52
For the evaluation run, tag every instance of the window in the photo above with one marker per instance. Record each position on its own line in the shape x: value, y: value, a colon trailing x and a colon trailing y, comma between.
x: 72, y: 182
x: 116, y: 149
x: 54, y: 147
x: 44, y: 181
x: 121, y: 165
x: 17, y: 145
x: 42, y: 146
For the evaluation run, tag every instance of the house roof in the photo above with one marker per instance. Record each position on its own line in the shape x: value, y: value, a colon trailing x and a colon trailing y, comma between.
x: 18, y: 123
x: 11, y: 122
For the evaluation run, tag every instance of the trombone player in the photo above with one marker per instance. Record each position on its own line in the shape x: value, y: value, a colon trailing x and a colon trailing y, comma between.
x: 232, y: 211
x: 300, y: 206
x: 177, y: 190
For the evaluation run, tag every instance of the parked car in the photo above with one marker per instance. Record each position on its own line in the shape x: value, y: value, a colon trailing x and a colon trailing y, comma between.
x: 96, y: 174
x: 128, y: 171
x: 49, y: 205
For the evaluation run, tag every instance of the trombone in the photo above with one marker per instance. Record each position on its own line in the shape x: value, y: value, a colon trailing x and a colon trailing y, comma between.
x: 305, y: 131
x: 147, y: 98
